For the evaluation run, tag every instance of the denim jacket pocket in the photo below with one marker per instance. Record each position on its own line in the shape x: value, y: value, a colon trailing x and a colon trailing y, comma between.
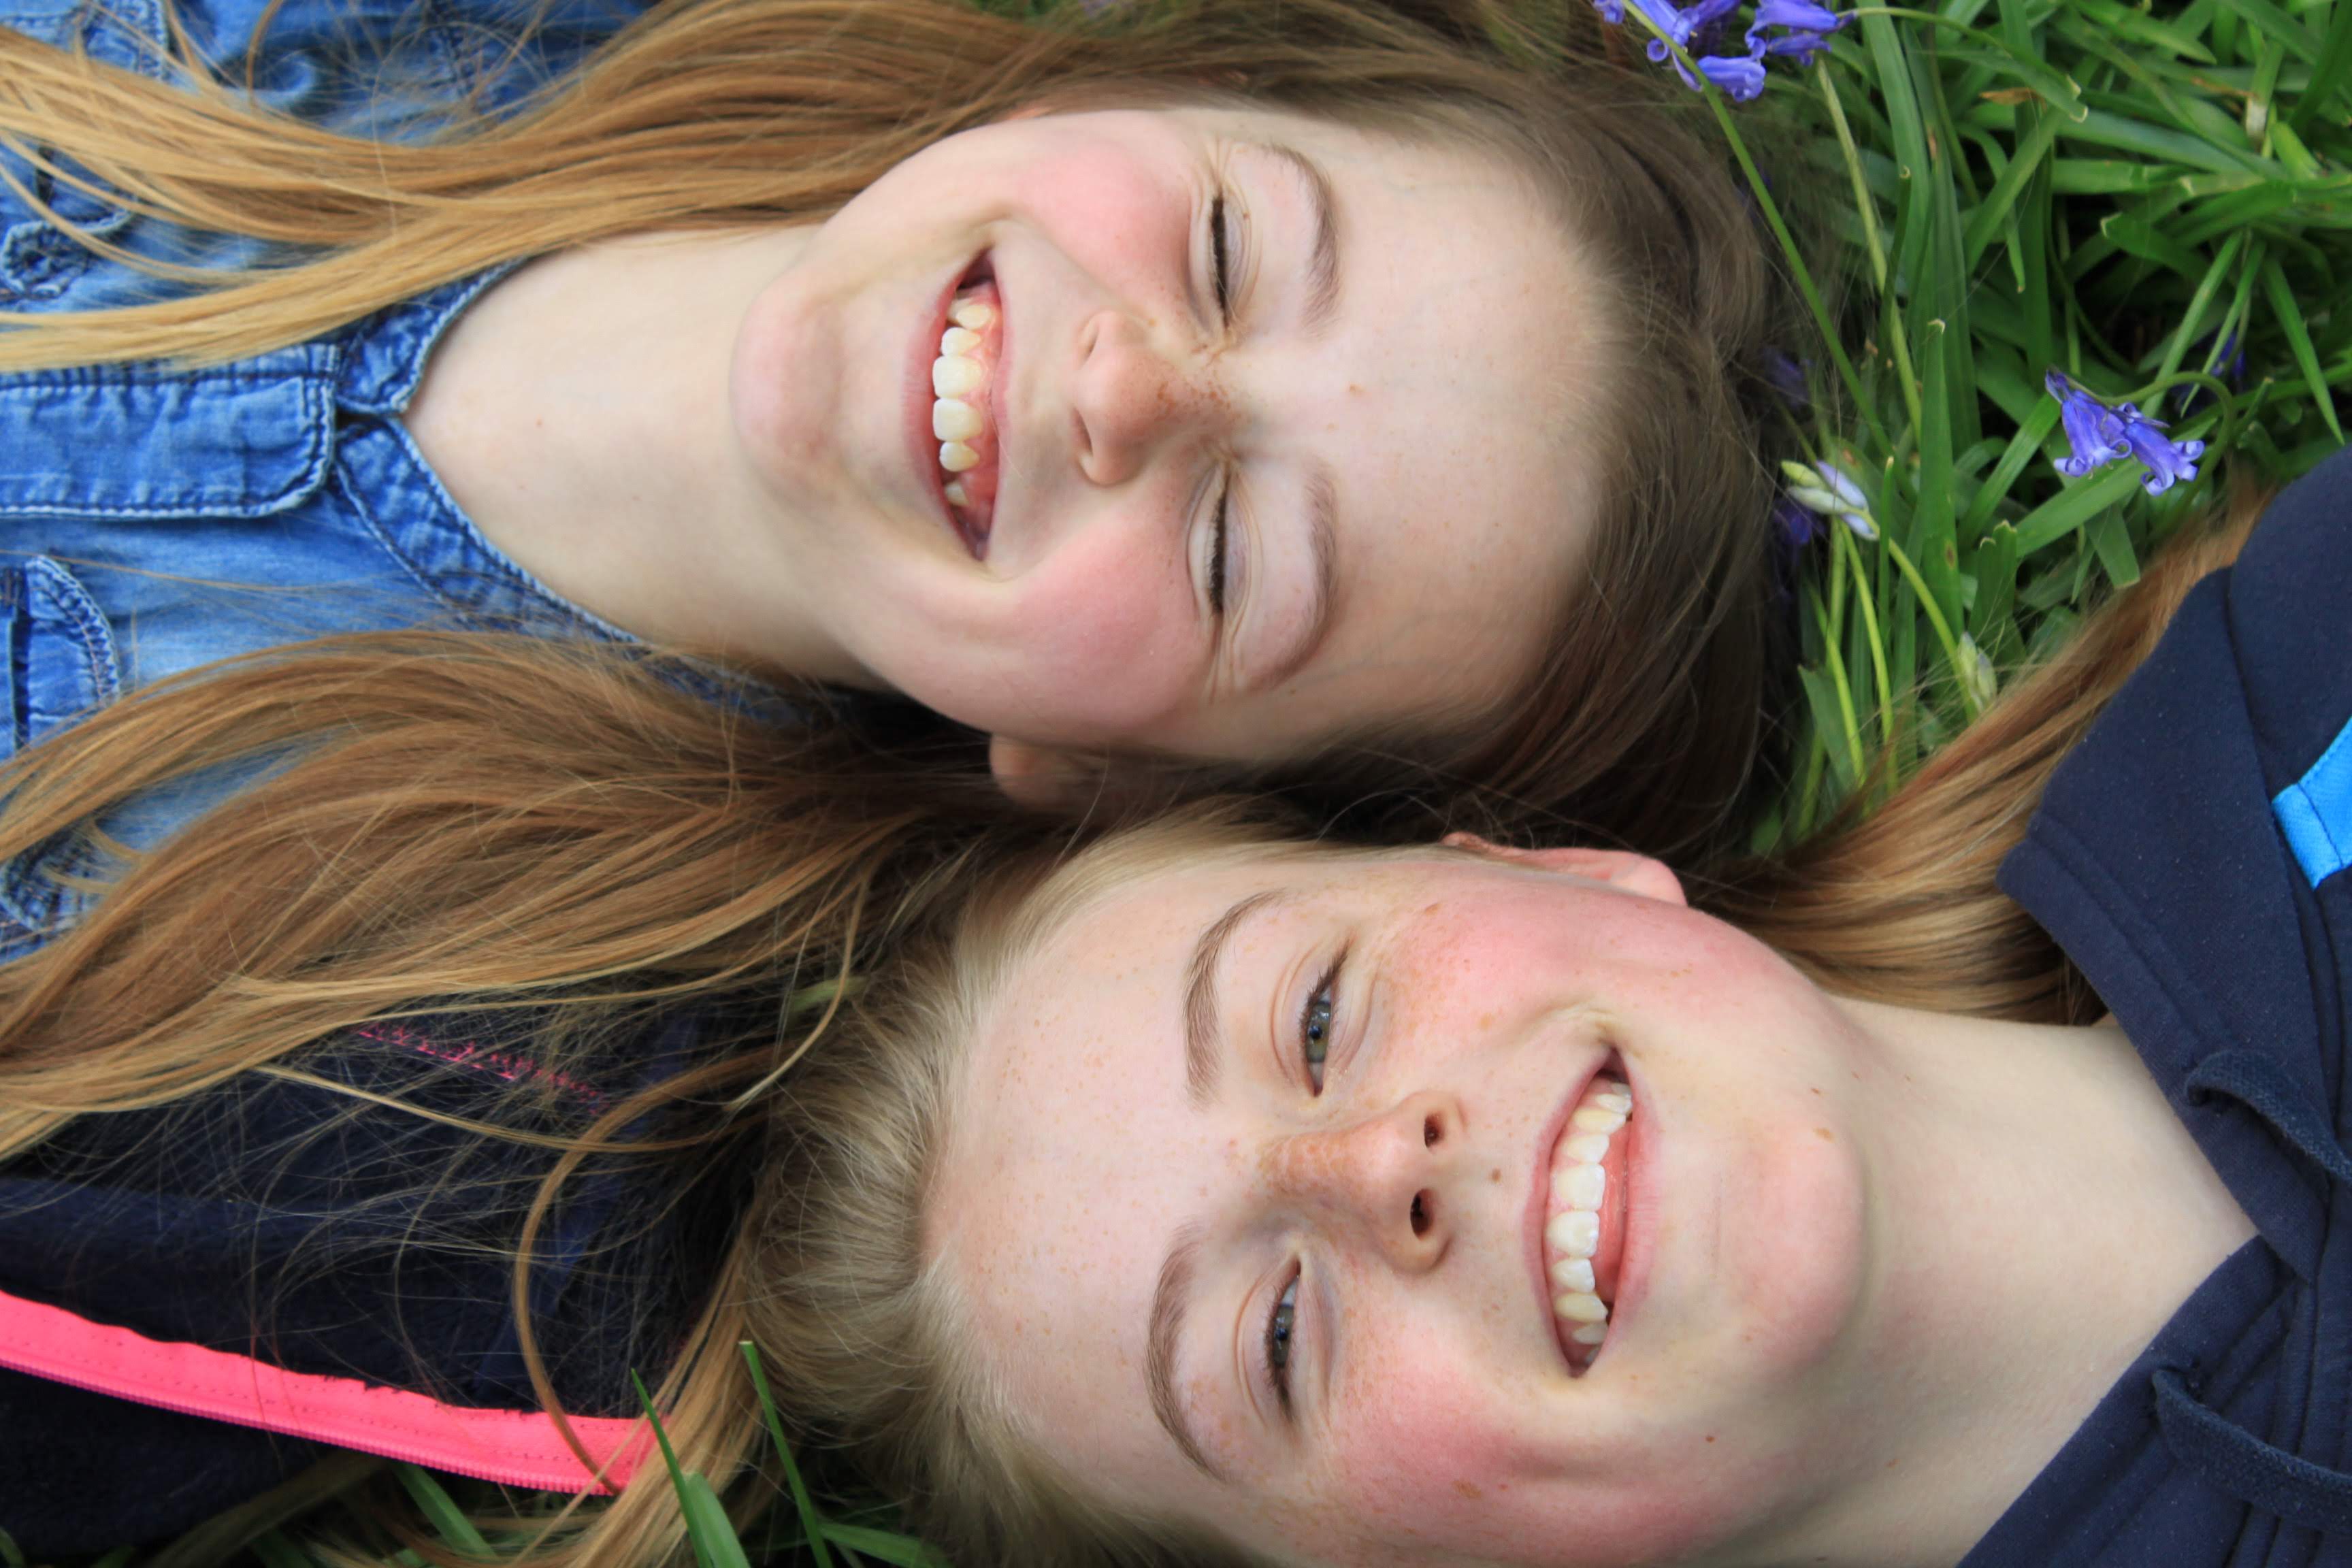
x: 38, y: 261
x: 144, y: 441
x: 60, y: 666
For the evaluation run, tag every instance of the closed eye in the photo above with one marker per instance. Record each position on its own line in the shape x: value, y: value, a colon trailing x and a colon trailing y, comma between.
x: 1218, y: 539
x: 1221, y: 271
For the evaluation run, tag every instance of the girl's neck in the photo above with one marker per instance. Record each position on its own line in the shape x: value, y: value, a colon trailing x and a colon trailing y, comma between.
x: 2042, y: 1214
x: 578, y: 413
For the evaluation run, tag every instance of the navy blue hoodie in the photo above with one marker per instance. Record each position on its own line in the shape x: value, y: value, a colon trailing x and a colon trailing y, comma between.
x: 2189, y: 857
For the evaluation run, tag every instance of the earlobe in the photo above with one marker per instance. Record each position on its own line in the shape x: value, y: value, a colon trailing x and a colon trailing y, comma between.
x: 1618, y: 867
x: 1046, y: 778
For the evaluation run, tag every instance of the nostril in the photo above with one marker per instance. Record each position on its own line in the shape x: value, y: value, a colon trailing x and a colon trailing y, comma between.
x: 1421, y: 1214
x: 1430, y: 1132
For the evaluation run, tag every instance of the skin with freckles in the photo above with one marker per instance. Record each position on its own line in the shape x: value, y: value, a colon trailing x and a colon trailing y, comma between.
x: 705, y: 439
x: 1839, y: 1251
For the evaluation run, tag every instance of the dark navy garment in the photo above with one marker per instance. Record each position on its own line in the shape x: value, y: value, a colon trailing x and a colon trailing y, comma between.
x: 332, y: 1237
x: 2187, y: 858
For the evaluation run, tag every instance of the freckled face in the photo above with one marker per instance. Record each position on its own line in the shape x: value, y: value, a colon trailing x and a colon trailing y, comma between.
x: 1379, y: 1225
x: 1242, y: 503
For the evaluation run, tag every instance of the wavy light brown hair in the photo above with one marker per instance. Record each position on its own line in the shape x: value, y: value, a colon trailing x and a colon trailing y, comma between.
x: 1900, y: 908
x: 476, y: 820
x: 1643, y: 716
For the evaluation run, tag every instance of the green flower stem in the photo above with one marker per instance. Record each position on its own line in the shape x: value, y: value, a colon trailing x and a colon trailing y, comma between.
x: 2194, y: 317
x: 1864, y: 202
x: 1926, y: 600
x: 1862, y: 596
x: 1845, y: 689
x: 1771, y: 211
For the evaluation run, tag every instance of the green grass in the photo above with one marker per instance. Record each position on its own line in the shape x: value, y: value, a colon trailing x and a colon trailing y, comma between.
x: 2080, y: 184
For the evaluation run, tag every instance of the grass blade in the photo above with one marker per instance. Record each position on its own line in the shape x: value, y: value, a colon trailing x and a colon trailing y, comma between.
x: 442, y: 1508
x: 2298, y: 335
x: 902, y: 1550
x: 813, y: 1525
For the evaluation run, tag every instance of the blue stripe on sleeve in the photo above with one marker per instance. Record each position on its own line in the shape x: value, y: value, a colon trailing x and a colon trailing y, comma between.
x: 2315, y: 811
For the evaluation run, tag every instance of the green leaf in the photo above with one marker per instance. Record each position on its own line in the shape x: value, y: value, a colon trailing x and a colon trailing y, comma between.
x: 2076, y: 505
x: 10, y: 1553
x: 1832, y: 717
x: 2268, y: 18
x: 706, y: 1524
x: 277, y: 1551
x: 891, y: 1547
x: 2111, y: 540
x: 442, y: 1510
x: 2298, y: 336
x: 2022, y: 450
x: 2327, y: 76
x: 813, y: 1525
x: 1986, y: 221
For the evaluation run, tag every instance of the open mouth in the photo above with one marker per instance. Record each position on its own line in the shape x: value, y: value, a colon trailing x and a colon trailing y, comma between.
x: 965, y: 409
x: 1584, y: 1208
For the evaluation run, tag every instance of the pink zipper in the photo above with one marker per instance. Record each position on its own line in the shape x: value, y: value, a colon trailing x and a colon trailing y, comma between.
x: 517, y: 1448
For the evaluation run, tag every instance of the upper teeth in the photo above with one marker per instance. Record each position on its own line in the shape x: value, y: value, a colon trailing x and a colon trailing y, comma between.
x: 956, y: 375
x: 1572, y: 1229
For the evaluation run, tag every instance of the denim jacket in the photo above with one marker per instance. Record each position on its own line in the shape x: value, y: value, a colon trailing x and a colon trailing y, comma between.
x: 154, y: 518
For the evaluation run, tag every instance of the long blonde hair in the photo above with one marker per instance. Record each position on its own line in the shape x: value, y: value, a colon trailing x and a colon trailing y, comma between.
x: 1899, y: 907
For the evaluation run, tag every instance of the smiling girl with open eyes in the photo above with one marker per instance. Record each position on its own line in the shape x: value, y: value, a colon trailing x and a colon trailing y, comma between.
x: 1250, y: 1200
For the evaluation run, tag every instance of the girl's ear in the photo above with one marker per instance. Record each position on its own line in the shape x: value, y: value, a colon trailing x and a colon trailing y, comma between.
x: 1046, y: 778
x: 1618, y: 867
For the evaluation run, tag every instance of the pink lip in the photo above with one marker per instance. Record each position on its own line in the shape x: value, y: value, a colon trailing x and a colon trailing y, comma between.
x: 1000, y: 376
x: 1622, y: 1265
x: 923, y: 448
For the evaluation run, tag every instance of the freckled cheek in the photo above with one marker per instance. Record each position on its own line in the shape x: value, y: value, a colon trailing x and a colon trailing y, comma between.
x: 1102, y: 211
x: 1431, y: 1453
x: 1109, y: 633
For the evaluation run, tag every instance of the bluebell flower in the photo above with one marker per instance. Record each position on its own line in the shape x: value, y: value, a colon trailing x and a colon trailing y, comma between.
x: 2166, y: 460
x: 1805, y: 28
x: 1682, y: 25
x: 1828, y: 489
x: 2093, y: 430
x: 1741, y: 77
x: 1611, y: 11
x: 1787, y: 377
x: 2101, y: 435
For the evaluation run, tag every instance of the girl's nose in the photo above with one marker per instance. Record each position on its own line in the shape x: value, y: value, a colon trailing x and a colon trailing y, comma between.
x: 1389, y: 1176
x: 1130, y: 397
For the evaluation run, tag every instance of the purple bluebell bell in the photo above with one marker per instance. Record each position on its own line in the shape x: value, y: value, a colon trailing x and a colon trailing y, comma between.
x: 1795, y: 523
x: 1741, y: 77
x: 2101, y: 435
x: 2093, y: 430
x: 1786, y: 376
x: 1682, y: 25
x: 2166, y: 459
x: 1805, y: 29
x: 1611, y: 11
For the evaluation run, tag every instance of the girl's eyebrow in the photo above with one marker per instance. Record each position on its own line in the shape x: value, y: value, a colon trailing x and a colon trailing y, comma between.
x: 1323, y: 250
x: 1201, y: 1009
x: 1169, y: 1297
